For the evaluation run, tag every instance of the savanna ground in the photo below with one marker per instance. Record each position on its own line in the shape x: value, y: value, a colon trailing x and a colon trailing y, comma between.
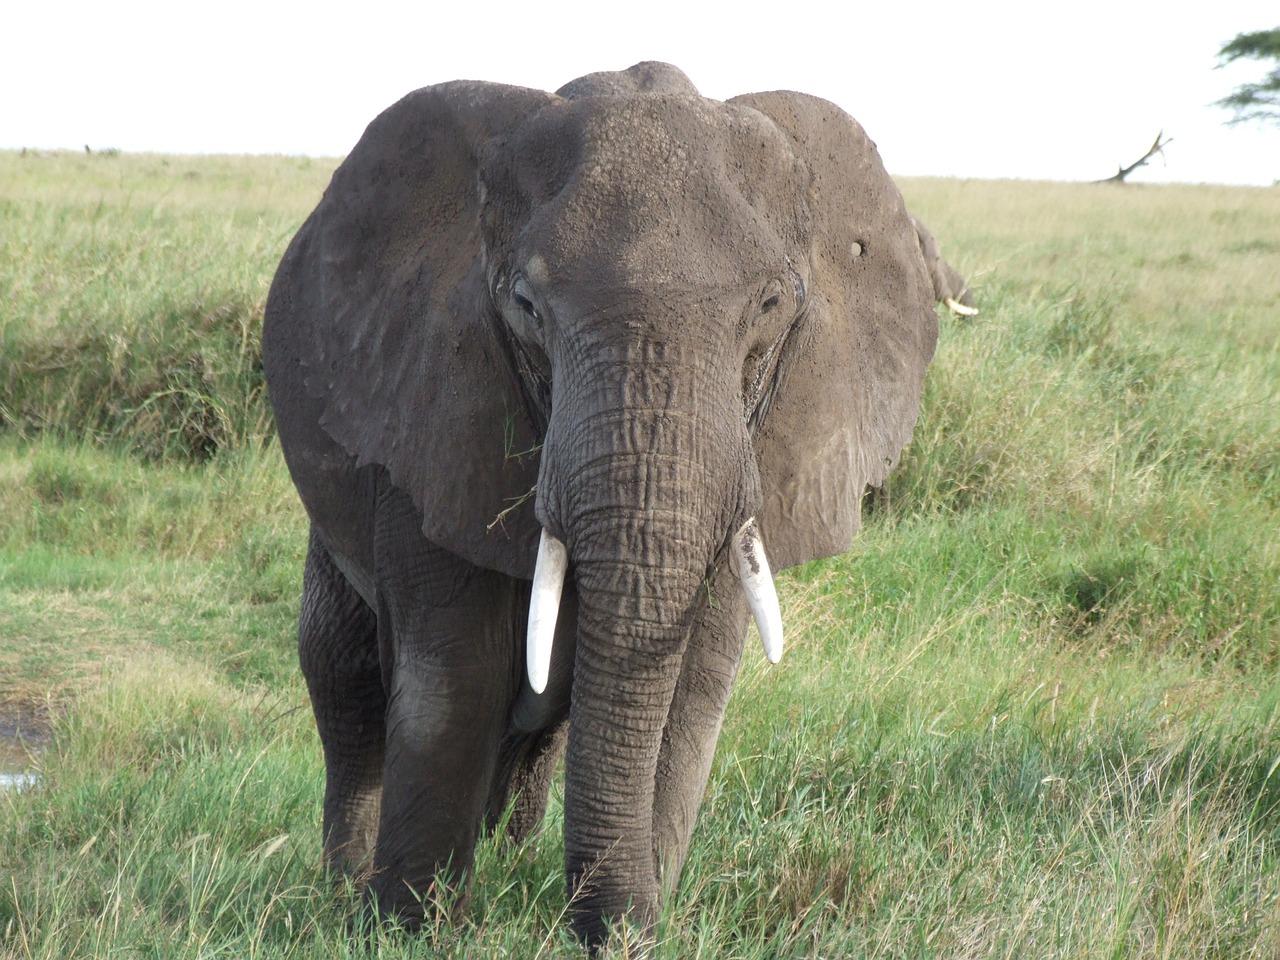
x: 1034, y: 713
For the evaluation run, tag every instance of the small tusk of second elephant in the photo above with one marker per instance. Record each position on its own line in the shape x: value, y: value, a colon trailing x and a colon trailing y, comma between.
x: 957, y: 307
x: 544, y: 608
x: 748, y: 562
x: 746, y: 558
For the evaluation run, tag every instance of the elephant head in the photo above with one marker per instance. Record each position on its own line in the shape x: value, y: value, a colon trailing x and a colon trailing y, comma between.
x: 949, y: 287
x: 628, y: 343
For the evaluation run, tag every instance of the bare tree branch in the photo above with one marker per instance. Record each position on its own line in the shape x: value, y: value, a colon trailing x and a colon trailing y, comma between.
x: 1156, y: 147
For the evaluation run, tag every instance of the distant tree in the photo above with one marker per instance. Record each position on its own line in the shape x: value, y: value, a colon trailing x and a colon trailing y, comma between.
x: 1254, y: 101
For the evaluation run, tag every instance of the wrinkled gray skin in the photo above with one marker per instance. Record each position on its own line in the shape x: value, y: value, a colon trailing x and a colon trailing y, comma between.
x: 634, y: 318
x: 948, y: 285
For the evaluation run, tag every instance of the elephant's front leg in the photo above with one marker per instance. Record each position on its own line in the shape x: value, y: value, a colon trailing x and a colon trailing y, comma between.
x: 448, y: 636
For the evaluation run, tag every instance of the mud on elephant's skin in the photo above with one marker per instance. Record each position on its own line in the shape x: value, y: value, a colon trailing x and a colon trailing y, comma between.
x: 646, y: 342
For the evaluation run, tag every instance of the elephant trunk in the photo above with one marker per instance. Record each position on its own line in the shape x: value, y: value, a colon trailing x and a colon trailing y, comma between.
x: 644, y: 494
x: 639, y: 576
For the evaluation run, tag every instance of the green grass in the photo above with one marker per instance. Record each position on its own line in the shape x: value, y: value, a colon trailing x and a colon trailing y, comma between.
x: 1035, y: 712
x: 134, y: 293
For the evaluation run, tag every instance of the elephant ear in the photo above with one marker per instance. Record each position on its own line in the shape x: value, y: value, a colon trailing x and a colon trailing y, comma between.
x: 850, y: 386
x: 383, y: 305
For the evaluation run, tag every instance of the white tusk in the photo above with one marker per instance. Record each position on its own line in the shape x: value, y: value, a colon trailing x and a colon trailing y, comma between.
x: 957, y: 307
x: 544, y: 608
x: 748, y: 562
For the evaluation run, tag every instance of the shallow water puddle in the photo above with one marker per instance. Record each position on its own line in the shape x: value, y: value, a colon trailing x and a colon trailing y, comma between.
x: 18, y: 781
x: 21, y: 739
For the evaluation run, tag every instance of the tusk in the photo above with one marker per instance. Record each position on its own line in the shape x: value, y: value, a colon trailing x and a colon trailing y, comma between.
x: 747, y: 560
x: 544, y: 608
x: 957, y: 307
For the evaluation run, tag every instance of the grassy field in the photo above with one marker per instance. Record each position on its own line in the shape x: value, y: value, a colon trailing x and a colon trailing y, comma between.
x: 1035, y: 713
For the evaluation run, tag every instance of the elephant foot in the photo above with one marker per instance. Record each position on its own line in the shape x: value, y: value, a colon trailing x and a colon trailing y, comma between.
x: 625, y: 936
x: 612, y: 919
x: 394, y: 903
x: 351, y: 835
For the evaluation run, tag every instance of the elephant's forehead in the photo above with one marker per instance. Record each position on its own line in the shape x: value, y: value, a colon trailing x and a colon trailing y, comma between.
x: 661, y: 194
x: 648, y: 144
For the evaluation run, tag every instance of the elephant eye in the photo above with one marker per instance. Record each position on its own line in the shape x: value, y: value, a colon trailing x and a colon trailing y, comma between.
x: 525, y: 304
x: 522, y: 297
x: 771, y: 297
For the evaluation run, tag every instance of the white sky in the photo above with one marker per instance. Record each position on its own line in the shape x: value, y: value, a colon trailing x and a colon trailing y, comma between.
x: 984, y: 88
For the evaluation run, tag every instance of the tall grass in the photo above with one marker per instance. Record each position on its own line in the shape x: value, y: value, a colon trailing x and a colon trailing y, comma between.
x: 135, y: 288
x: 1035, y: 712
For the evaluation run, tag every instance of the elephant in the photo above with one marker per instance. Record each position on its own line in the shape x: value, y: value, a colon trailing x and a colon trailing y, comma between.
x: 560, y: 378
x: 949, y: 288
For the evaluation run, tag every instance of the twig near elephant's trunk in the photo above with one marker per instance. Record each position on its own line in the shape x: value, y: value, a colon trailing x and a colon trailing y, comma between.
x: 509, y: 451
x: 516, y: 503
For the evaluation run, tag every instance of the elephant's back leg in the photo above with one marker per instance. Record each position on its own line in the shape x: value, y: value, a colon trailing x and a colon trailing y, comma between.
x: 526, y: 766
x: 338, y: 648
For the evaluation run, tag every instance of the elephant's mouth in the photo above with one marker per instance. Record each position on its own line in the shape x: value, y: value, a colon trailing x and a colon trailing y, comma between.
x: 746, y: 558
